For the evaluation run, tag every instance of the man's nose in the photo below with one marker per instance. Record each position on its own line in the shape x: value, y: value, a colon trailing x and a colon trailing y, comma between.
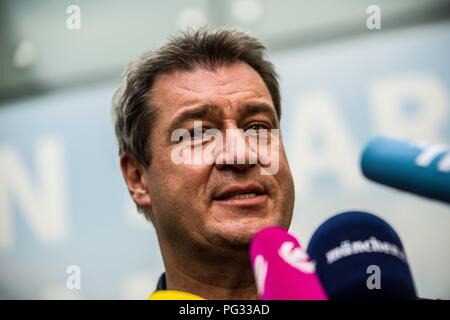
x: 238, y: 151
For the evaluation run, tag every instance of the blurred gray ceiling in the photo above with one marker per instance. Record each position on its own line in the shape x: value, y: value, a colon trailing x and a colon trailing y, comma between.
x: 38, y: 52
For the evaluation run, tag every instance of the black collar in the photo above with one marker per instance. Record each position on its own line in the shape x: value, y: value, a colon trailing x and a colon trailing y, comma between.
x: 161, y: 282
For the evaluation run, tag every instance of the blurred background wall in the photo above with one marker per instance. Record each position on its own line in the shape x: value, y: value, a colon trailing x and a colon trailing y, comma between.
x: 63, y: 201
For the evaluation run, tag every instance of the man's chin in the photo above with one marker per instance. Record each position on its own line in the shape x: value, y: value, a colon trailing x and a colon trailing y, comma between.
x: 239, y: 235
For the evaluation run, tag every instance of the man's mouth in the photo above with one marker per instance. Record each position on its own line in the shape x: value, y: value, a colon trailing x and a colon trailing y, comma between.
x: 242, y: 195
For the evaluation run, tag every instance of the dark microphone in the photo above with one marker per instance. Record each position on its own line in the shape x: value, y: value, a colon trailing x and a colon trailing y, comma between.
x: 410, y: 166
x: 360, y: 256
x: 282, y: 268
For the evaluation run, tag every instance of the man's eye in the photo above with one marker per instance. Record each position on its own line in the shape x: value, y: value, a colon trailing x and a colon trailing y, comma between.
x: 258, y: 126
x: 196, y: 133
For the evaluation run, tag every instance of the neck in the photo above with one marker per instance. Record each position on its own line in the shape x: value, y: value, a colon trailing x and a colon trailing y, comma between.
x: 227, y: 275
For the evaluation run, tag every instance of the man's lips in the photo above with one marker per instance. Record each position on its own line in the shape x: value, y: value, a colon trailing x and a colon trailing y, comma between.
x: 256, y: 200
x: 241, y: 195
x: 239, y: 191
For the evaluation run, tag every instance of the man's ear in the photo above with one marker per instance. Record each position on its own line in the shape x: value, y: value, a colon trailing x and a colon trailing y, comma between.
x: 133, y: 173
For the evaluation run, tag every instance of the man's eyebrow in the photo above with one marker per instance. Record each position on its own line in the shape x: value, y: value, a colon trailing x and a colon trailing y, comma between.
x: 208, y: 110
x: 197, y: 113
x: 256, y: 108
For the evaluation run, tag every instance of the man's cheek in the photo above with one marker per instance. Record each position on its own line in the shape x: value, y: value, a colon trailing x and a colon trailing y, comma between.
x: 190, y: 176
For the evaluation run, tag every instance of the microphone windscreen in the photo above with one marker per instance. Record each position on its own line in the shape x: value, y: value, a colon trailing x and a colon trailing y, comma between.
x: 283, y: 270
x: 173, y: 295
x: 414, y: 167
x: 360, y: 256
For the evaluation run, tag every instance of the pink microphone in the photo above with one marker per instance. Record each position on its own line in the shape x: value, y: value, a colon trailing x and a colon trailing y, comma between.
x: 283, y: 269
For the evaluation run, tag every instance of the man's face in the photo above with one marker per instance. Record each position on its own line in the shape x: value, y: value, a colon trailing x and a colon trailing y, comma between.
x: 194, y: 202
